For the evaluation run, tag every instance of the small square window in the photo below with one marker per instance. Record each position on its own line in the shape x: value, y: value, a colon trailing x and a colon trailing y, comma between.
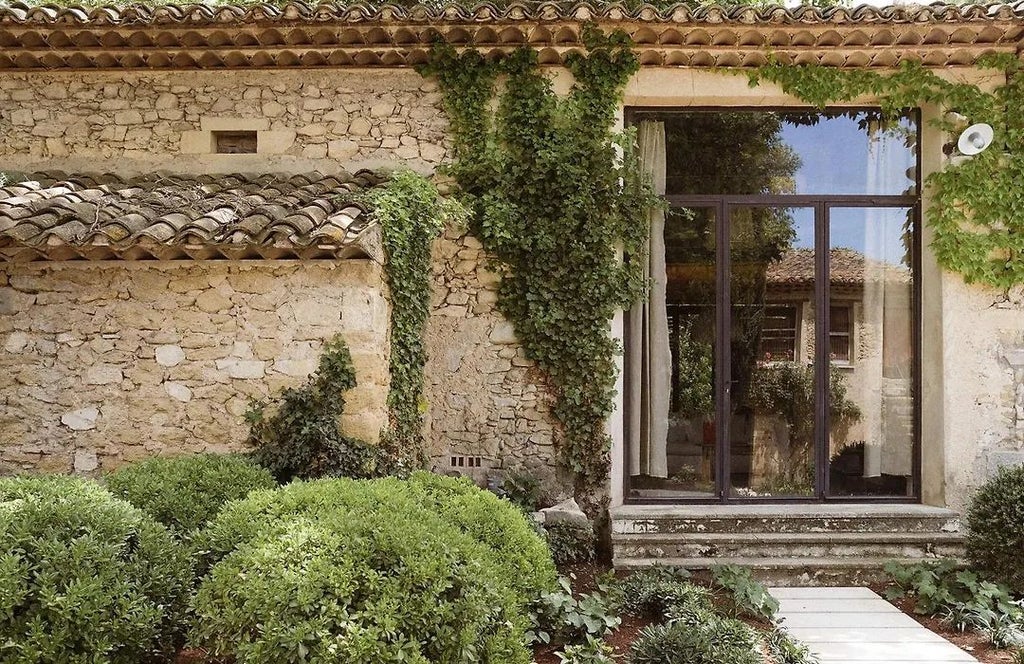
x: 234, y: 142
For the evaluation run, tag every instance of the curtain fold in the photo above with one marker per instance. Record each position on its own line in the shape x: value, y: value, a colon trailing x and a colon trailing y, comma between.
x: 649, y: 382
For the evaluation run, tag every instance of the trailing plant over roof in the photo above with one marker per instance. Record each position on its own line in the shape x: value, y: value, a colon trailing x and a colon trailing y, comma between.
x: 977, y: 204
x: 555, y: 195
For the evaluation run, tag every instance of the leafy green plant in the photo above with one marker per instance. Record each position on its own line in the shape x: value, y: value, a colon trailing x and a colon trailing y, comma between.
x: 961, y: 598
x: 185, y: 492
x: 652, y: 592
x: 301, y: 437
x: 784, y: 649
x: 591, y: 651
x: 995, y: 527
x: 411, y: 214
x: 716, y: 640
x: 523, y: 489
x: 85, y: 577
x: 561, y: 616
x: 748, y: 595
x: 555, y: 194
x: 977, y: 208
x: 570, y: 542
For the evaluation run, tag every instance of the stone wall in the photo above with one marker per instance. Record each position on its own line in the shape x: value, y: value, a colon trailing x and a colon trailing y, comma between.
x: 103, y: 363
x: 144, y: 121
x: 983, y: 339
x: 485, y: 398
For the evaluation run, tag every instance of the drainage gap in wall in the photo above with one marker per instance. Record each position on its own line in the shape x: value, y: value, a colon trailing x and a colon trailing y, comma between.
x: 234, y: 142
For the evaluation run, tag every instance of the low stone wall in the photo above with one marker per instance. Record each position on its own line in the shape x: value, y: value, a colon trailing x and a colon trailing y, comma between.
x: 103, y: 363
x: 485, y: 399
x: 145, y: 121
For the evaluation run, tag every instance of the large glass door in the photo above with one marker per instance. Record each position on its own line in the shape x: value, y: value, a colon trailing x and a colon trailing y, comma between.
x: 777, y: 356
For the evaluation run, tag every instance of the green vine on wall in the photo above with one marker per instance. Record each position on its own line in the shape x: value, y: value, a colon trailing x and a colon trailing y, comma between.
x: 555, y: 195
x: 977, y: 207
x: 411, y: 214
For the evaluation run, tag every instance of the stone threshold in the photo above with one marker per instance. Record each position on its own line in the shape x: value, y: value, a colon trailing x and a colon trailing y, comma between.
x: 788, y: 510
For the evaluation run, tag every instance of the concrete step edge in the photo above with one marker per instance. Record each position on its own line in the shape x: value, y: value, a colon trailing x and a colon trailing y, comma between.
x: 767, y: 563
x: 868, y: 537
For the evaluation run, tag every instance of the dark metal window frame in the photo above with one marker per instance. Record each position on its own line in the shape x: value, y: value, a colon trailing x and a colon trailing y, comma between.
x: 822, y: 205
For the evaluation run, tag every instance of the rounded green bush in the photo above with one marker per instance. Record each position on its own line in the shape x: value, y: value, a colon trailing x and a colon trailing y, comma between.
x: 354, y: 571
x: 85, y: 577
x: 494, y: 522
x: 995, y: 524
x: 510, y: 542
x: 185, y: 492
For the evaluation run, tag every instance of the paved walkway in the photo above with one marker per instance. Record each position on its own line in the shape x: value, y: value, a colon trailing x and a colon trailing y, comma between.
x: 857, y: 626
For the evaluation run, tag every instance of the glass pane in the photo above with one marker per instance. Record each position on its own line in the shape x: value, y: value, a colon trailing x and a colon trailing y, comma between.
x: 682, y: 463
x: 790, y: 152
x: 771, y: 424
x: 871, y: 398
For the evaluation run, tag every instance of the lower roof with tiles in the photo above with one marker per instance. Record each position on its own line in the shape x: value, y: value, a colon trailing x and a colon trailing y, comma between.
x: 161, y: 216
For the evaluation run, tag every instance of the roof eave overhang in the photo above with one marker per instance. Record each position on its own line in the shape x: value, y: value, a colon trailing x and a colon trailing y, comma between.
x: 326, y: 36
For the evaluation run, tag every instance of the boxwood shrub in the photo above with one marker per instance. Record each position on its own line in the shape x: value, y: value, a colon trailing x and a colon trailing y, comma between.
x: 381, y: 570
x: 995, y: 524
x: 84, y: 576
x: 185, y: 492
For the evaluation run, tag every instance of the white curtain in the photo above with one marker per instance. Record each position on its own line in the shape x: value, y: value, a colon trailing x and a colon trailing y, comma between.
x: 887, y: 306
x: 650, y: 362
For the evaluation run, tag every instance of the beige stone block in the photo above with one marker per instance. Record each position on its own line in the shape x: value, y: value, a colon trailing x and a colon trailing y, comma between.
x: 273, y: 109
x: 102, y: 374
x: 16, y: 342
x: 128, y: 117
x: 82, y: 419
x: 275, y: 142
x: 432, y: 153
x: 22, y: 117
x: 214, y: 123
x: 211, y: 301
x: 48, y: 129
x: 252, y: 281
x: 178, y: 392
x: 242, y: 369
x: 12, y: 301
x: 360, y: 127
x: 169, y: 355
x: 342, y: 150
x: 196, y: 142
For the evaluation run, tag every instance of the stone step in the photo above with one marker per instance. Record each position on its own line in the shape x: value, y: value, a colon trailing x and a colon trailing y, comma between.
x: 778, y: 518
x: 795, y: 571
x: 916, y: 545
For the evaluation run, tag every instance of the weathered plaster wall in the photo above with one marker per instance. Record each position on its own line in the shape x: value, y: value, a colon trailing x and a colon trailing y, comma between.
x: 983, y: 338
x: 484, y: 396
x: 103, y: 363
x: 136, y: 122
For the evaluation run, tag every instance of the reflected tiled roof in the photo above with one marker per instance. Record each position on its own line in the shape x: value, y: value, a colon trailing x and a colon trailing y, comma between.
x: 55, y: 216
x: 847, y: 267
x: 332, y: 34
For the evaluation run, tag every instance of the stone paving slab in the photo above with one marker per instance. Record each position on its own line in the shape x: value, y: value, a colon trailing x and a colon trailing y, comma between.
x: 857, y: 626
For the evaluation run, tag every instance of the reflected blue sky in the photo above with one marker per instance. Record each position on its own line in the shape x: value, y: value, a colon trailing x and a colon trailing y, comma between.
x: 875, y: 232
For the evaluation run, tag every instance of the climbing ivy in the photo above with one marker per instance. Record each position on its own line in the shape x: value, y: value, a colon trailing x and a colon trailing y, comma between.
x: 555, y: 196
x: 411, y: 214
x: 977, y: 204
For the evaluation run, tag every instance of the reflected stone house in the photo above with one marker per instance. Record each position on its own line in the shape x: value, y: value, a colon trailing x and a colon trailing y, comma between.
x: 805, y: 389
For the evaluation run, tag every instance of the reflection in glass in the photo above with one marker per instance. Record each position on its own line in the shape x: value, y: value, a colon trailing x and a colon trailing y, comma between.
x: 771, y: 435
x: 871, y: 289
x: 790, y: 152
x: 690, y: 307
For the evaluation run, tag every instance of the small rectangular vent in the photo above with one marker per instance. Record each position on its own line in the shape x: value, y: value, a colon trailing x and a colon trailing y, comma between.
x: 234, y: 142
x: 467, y: 462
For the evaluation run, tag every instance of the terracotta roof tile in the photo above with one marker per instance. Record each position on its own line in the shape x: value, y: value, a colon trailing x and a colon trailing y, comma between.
x: 334, y: 34
x: 55, y: 216
x: 847, y: 267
